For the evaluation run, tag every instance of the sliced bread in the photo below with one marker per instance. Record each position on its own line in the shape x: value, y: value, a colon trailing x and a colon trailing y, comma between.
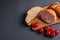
x: 32, y: 13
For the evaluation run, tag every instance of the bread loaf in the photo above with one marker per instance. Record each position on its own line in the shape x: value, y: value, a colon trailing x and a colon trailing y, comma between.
x: 32, y: 14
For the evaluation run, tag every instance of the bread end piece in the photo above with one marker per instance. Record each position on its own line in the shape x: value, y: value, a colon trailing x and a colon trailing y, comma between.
x: 54, y: 5
x: 56, y: 8
x: 32, y: 13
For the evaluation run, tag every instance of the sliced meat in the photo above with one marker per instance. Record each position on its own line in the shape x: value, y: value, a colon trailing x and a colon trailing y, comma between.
x: 48, y: 15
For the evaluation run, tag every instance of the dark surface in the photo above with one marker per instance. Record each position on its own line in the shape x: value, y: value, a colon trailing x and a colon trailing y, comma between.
x: 12, y: 14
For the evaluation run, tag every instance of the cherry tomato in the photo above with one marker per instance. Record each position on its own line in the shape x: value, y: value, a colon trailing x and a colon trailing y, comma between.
x: 48, y: 33
x: 52, y: 29
x: 47, y: 28
x: 56, y: 32
x: 41, y: 30
x: 52, y: 34
x: 36, y: 24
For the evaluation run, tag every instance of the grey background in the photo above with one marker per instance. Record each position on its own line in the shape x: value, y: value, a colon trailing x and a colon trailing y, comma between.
x: 12, y: 25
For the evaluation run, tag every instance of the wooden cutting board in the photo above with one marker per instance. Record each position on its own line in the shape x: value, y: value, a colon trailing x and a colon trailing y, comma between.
x: 42, y: 23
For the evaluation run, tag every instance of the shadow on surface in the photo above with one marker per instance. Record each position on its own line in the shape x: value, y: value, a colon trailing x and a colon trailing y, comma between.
x: 22, y: 20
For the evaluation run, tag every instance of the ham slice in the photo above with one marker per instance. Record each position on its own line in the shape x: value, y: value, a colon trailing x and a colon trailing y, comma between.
x: 48, y: 15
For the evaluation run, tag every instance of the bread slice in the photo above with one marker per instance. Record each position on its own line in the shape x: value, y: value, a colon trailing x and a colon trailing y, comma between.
x: 32, y: 13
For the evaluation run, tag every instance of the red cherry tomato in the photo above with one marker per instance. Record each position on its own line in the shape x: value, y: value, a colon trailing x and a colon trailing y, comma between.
x: 56, y: 32
x: 48, y: 33
x: 47, y: 28
x: 36, y: 24
x: 52, y: 29
x: 52, y: 34
x: 41, y: 30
